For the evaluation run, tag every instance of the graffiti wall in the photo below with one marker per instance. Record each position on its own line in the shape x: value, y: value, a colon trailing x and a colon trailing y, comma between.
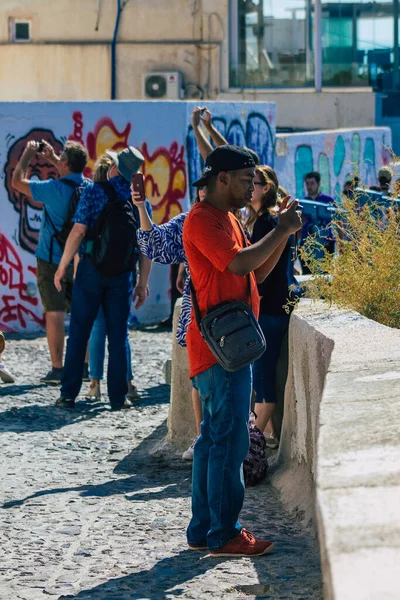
x: 337, y: 155
x: 163, y: 133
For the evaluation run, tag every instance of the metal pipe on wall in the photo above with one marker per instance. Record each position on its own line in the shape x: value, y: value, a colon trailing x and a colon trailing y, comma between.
x: 114, y: 53
x: 318, y: 46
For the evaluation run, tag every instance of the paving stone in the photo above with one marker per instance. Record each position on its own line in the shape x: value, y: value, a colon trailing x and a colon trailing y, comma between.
x: 89, y: 512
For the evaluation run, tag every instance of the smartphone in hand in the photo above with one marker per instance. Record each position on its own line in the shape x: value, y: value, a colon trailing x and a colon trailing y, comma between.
x: 138, y: 185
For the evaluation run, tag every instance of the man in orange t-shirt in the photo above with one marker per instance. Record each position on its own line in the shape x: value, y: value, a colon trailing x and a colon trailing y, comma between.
x: 219, y: 264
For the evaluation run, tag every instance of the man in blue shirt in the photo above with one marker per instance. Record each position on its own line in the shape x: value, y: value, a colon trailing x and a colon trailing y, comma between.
x: 55, y: 195
x: 313, y: 183
x: 93, y: 289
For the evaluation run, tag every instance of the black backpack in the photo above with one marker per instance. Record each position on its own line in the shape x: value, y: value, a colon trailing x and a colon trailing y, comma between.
x: 61, y: 235
x: 115, y: 249
x: 255, y: 466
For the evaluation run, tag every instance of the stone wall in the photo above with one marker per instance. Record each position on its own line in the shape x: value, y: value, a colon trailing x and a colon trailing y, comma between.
x: 340, y: 448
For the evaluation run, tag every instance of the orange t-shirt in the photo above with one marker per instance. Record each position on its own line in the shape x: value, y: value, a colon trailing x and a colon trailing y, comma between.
x: 212, y: 239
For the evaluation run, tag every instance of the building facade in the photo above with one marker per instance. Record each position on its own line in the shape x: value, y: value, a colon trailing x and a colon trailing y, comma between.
x: 277, y: 50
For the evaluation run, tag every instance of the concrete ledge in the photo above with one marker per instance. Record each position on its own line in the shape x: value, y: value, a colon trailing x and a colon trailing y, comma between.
x: 340, y: 440
x: 181, y: 423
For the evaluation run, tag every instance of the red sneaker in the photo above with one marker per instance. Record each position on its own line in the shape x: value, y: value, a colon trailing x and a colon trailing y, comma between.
x: 244, y: 544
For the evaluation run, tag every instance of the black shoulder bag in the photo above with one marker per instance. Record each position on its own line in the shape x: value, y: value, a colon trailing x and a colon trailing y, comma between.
x: 231, y: 330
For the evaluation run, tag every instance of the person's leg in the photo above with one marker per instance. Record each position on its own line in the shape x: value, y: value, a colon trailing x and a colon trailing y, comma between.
x: 54, y: 306
x: 264, y: 370
x: 97, y: 346
x: 129, y: 375
x: 200, y: 522
x: 5, y: 374
x: 197, y: 409
x: 55, y: 333
x: 116, y: 304
x: 198, y: 417
x: 86, y: 300
x: 229, y: 408
x: 218, y: 486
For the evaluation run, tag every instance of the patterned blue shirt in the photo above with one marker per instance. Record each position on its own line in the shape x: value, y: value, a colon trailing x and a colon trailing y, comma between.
x: 93, y: 199
x: 163, y: 244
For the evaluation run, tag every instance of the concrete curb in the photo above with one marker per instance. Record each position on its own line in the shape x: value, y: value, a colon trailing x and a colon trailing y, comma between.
x: 340, y: 446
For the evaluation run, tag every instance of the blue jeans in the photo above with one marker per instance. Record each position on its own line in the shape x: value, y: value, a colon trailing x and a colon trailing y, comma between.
x: 97, y: 348
x: 217, y: 479
x: 114, y: 294
x: 264, y: 369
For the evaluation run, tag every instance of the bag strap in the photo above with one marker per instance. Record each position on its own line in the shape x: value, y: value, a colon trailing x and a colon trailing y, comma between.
x: 196, y: 307
x: 242, y: 231
x: 73, y: 185
x: 69, y: 183
x: 109, y: 190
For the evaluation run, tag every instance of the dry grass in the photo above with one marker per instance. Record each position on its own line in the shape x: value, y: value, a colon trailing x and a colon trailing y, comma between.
x: 364, y: 275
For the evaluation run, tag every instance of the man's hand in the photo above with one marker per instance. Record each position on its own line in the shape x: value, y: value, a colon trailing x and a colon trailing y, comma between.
x: 136, y: 197
x: 140, y: 294
x: 290, y: 219
x: 196, y: 114
x: 207, y: 118
x: 180, y: 280
x: 48, y: 152
x: 30, y: 150
x: 60, y: 276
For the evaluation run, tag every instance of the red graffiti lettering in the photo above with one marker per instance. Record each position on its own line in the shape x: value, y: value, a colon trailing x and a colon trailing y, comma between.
x: 15, y: 304
x: 165, y: 180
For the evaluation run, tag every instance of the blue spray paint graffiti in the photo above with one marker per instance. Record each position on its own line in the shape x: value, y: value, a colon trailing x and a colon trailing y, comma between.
x: 255, y: 133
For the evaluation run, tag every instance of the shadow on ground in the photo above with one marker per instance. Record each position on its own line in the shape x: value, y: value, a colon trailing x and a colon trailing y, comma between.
x: 39, y: 417
x: 148, y: 471
x: 152, y: 583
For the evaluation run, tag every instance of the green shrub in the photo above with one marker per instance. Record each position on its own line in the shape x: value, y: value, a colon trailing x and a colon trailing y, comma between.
x: 364, y: 275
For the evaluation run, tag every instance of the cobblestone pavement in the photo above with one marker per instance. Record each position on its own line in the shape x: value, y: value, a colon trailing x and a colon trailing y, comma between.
x: 88, y: 513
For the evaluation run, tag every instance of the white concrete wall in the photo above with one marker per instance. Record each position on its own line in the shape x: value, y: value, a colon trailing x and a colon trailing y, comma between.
x: 340, y: 439
x: 172, y: 162
x: 336, y: 154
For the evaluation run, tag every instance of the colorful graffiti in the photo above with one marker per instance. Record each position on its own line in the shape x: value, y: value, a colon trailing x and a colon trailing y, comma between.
x: 336, y: 155
x: 105, y: 136
x: 165, y: 180
x: 256, y: 133
x: 17, y: 307
x: 164, y: 170
x: 160, y: 130
x: 30, y: 212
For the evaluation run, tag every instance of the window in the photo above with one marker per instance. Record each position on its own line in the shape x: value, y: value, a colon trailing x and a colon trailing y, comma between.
x: 357, y: 43
x: 20, y: 31
x: 272, y: 43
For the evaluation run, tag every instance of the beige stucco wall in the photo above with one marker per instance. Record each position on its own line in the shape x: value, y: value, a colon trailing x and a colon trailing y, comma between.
x: 54, y: 72
x: 71, y: 20
x: 304, y: 109
x: 184, y: 36
x: 152, y: 36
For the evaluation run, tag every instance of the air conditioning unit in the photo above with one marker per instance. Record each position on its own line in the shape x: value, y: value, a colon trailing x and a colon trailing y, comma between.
x: 162, y: 86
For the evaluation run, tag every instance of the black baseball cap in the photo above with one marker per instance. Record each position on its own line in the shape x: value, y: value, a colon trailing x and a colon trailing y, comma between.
x: 225, y: 158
